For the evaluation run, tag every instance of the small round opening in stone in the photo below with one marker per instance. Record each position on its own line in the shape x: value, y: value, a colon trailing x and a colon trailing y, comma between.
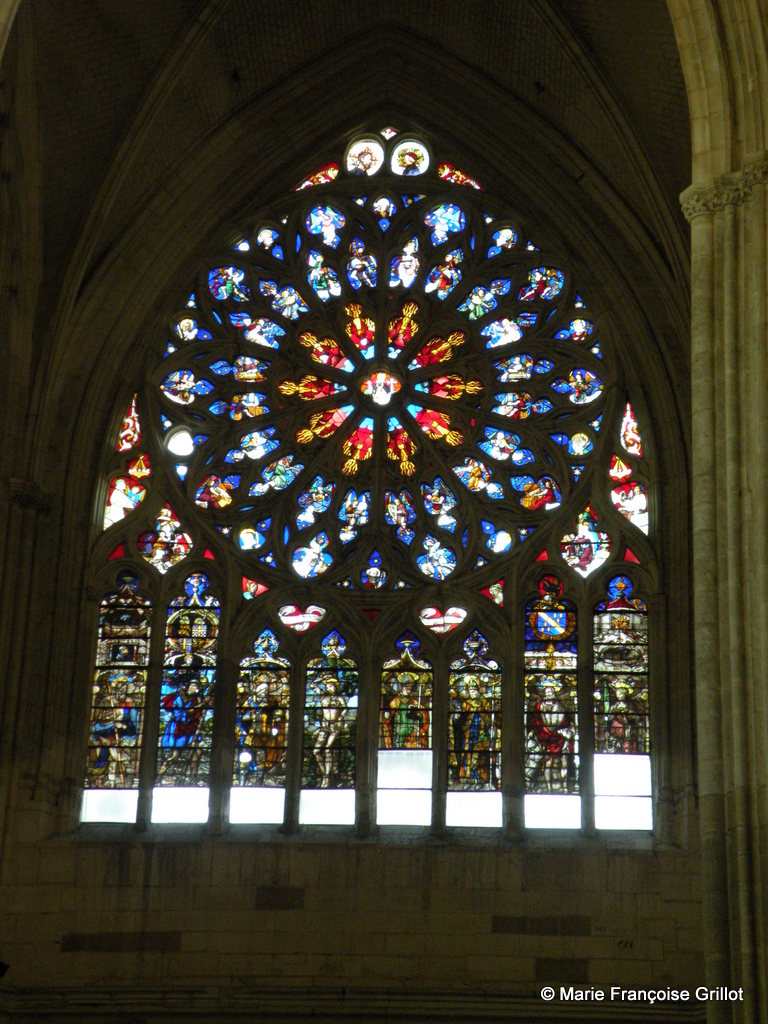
x: 380, y: 386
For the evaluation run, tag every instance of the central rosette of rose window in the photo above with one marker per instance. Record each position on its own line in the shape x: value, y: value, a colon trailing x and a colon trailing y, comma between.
x: 414, y: 383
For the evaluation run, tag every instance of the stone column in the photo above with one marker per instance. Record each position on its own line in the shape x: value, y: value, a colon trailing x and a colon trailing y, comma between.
x: 729, y: 361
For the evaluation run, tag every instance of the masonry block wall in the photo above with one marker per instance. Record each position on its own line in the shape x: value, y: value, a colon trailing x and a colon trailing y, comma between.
x: 184, y: 914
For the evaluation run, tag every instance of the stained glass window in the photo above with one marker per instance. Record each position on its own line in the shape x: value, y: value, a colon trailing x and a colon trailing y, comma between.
x: 376, y: 409
x: 183, y: 770
x: 622, y: 735
x: 117, y: 709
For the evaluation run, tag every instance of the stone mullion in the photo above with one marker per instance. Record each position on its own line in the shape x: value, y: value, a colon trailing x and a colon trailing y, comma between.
x: 513, y: 710
x: 222, y: 740
x: 440, y: 726
x: 585, y: 713
x: 149, y: 752
x: 365, y: 752
x: 294, y: 752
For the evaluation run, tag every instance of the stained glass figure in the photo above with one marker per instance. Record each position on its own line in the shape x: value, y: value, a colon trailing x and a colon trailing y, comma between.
x: 476, y: 477
x: 439, y: 500
x: 252, y: 538
x: 353, y: 513
x: 324, y: 280
x: 186, y: 694
x: 183, y: 388
x: 578, y: 330
x: 502, y: 332
x: 252, y: 588
x: 325, y: 351
x: 495, y: 592
x: 449, y: 386
x: 313, y: 501
x: 444, y: 276
x: 502, y: 240
x: 405, y: 266
x: 262, y: 332
x: 228, y: 283
x: 130, y: 430
x: 365, y: 157
x: 519, y: 405
x: 312, y: 560
x: 358, y: 447
x: 405, y: 721
x: 520, y: 367
x: 167, y: 544
x: 380, y: 387
x: 452, y: 174
x: 436, y: 425
x: 621, y: 671
x: 187, y: 329
x: 630, y: 500
x: 400, y: 446
x: 125, y: 493
x: 410, y: 158
x: 286, y: 301
x: 330, y: 718
x: 402, y: 329
x: 361, y: 266
x: 581, y: 386
x: 498, y: 541
x: 630, y: 434
x: 505, y: 447
x: 254, y: 445
x: 438, y: 562
x: 474, y: 731
x: 215, y: 492
x: 438, y: 350
x: 277, y: 476
x: 445, y: 220
x: 360, y: 330
x: 551, y: 718
x: 543, y: 283
x: 261, y: 715
x: 578, y: 444
x: 374, y: 576
x: 400, y: 513
x: 321, y: 177
x: 327, y: 222
x: 384, y: 210
x: 483, y: 300
x: 117, y: 705
x: 537, y: 494
x: 587, y: 547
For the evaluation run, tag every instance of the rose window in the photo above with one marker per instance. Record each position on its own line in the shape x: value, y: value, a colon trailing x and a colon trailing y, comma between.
x: 379, y: 403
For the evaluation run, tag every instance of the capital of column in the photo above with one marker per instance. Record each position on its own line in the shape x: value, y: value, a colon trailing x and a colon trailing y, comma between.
x: 729, y: 189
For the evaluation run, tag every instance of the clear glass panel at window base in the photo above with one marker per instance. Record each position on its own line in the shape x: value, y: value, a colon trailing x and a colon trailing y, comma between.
x: 552, y: 811
x: 624, y: 812
x: 477, y: 810
x: 118, y: 805
x: 622, y: 775
x: 404, y: 807
x: 180, y: 804
x: 327, y: 807
x: 256, y: 806
x: 405, y: 769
